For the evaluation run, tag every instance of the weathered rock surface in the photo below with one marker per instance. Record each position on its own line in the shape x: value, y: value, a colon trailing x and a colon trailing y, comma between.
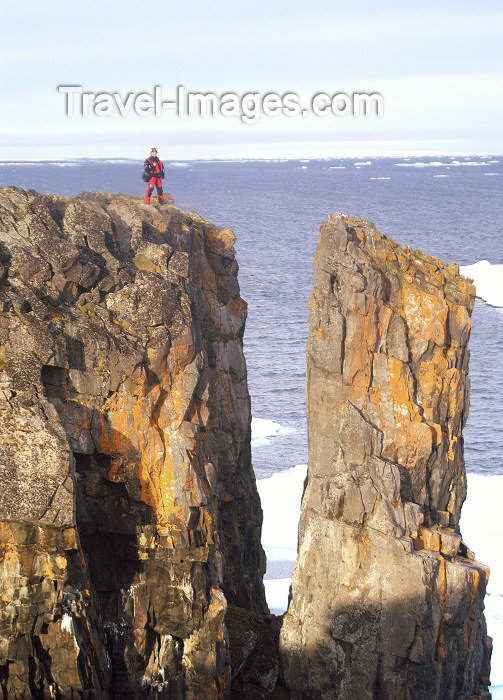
x: 255, y: 661
x: 129, y: 516
x: 387, y: 600
x: 130, y: 557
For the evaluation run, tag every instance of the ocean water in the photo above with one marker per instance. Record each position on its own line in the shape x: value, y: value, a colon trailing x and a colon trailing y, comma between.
x: 450, y: 207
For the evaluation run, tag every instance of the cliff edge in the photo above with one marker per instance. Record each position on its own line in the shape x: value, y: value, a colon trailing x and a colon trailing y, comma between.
x: 386, y: 599
x: 129, y: 516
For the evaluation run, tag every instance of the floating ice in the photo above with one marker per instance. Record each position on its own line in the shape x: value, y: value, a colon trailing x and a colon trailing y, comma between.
x: 281, y: 495
x: 422, y: 164
x: 469, y: 162
x: 23, y: 163
x: 276, y: 592
x: 263, y: 429
x: 481, y: 525
x: 488, y: 281
x: 440, y: 164
x: 482, y: 532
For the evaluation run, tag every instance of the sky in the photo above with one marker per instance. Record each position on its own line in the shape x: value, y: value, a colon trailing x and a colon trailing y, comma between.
x: 437, y: 66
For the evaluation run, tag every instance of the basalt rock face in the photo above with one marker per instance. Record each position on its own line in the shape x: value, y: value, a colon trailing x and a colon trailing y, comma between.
x: 386, y: 600
x: 129, y: 516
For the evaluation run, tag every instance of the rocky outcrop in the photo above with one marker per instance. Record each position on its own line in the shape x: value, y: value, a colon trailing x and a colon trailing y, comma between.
x: 130, y: 557
x: 386, y: 599
x: 129, y: 517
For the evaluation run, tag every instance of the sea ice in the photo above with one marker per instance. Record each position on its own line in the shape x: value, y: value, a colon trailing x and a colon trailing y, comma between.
x: 262, y: 428
x: 482, y: 532
x: 280, y: 495
x: 276, y: 591
x: 488, y: 281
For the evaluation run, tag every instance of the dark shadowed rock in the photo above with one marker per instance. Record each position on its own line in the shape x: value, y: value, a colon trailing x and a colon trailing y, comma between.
x: 387, y: 601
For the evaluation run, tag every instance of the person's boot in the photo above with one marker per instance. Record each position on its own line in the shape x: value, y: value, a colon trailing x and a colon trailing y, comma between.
x: 161, y: 200
x: 147, y: 200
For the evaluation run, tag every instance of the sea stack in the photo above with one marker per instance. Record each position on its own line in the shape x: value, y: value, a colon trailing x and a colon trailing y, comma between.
x: 129, y: 516
x: 386, y: 598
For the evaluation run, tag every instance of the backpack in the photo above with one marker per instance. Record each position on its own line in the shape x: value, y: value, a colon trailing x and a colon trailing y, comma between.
x: 146, y: 175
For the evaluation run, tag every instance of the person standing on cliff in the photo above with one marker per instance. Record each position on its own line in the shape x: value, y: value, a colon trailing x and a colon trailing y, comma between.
x: 154, y: 175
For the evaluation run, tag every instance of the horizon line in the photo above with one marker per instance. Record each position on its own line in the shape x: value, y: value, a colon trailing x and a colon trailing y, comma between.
x: 402, y: 154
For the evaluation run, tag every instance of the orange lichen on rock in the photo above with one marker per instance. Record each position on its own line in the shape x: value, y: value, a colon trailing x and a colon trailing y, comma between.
x: 399, y: 612
x: 121, y: 419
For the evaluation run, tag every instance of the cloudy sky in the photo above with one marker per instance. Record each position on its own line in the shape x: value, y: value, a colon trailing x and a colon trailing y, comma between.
x: 438, y: 67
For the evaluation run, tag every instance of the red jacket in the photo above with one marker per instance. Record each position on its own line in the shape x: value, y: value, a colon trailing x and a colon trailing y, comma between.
x: 154, y: 167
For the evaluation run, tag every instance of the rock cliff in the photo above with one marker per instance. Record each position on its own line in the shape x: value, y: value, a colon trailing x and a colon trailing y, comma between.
x: 386, y: 599
x: 129, y: 516
x: 130, y: 556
